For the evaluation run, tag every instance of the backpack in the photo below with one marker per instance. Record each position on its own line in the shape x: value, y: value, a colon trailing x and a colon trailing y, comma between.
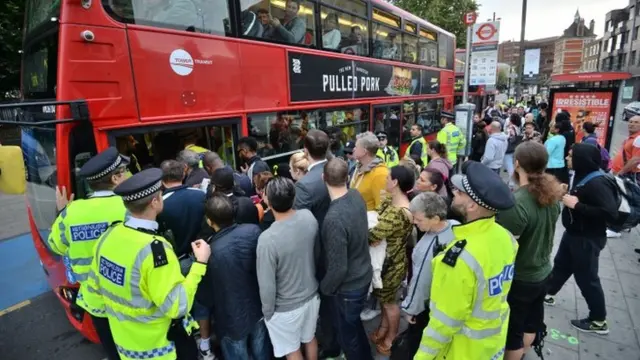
x: 604, y: 154
x: 628, y: 199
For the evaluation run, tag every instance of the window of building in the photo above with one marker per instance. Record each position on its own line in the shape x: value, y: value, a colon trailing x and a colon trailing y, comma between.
x: 210, y: 17
x: 283, y: 132
x: 633, y: 57
x: 387, y: 44
x: 607, y: 26
x: 632, y: 11
x: 635, y: 33
x: 428, y: 41
x: 287, y: 22
x: 344, y: 32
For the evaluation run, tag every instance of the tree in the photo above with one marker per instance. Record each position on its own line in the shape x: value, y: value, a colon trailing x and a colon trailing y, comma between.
x: 447, y: 14
x: 11, y: 19
x: 502, y: 78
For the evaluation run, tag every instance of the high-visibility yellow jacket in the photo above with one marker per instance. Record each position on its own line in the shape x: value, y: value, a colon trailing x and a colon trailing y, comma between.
x: 76, y: 230
x: 469, y: 313
x: 454, y: 139
x: 423, y: 154
x: 137, y: 274
x: 389, y: 155
x: 198, y: 149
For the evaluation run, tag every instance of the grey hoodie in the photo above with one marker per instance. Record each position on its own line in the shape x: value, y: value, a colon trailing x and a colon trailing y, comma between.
x: 494, y: 151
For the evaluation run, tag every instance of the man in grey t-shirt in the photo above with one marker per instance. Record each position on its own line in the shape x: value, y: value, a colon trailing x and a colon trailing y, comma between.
x: 286, y: 272
x: 292, y: 28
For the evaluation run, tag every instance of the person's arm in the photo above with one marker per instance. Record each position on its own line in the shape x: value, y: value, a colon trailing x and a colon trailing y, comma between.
x: 296, y: 34
x: 266, y: 263
x: 604, y: 198
x: 183, y: 13
x: 514, y: 219
x: 168, y: 289
x: 304, y: 198
x: 334, y: 40
x: 57, y: 241
x: 447, y: 313
x: 442, y: 137
x: 420, y: 284
x: 334, y: 242
x: 383, y: 229
x: 489, y: 153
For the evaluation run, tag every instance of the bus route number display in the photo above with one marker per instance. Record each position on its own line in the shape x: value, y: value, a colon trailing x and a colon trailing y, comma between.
x: 313, y: 77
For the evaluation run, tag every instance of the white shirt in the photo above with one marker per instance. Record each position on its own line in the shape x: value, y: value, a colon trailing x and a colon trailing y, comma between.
x: 314, y: 164
x: 136, y: 223
x: 331, y: 39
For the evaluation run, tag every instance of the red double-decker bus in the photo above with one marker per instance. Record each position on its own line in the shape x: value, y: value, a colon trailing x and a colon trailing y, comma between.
x: 152, y: 77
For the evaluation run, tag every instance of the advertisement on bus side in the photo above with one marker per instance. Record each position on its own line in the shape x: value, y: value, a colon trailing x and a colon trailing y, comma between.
x: 596, y: 106
x: 313, y: 77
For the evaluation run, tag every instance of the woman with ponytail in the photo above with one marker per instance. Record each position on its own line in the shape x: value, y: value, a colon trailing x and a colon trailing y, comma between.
x: 533, y: 222
x: 395, y: 225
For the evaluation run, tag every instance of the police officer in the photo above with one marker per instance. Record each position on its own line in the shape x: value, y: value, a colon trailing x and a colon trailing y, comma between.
x: 80, y: 224
x: 451, y: 136
x: 386, y: 152
x: 418, y: 147
x: 472, y: 275
x: 137, y: 274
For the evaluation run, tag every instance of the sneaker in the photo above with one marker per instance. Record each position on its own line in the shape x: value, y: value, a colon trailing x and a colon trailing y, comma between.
x: 369, y: 314
x: 586, y: 325
x: 206, y: 355
x: 549, y: 300
x: 612, y: 234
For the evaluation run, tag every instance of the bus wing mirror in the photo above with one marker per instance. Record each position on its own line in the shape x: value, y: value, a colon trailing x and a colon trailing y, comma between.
x: 12, y: 172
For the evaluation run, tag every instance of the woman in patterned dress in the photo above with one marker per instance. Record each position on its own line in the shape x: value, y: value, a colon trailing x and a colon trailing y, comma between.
x: 395, y: 223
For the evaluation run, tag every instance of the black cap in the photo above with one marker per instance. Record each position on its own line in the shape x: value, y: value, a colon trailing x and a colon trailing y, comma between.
x: 381, y: 134
x: 145, y: 183
x: 484, y: 186
x: 103, y: 164
x: 349, y: 146
x: 446, y: 114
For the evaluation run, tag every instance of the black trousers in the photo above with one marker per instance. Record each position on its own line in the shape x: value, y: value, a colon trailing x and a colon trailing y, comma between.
x: 327, y: 336
x: 106, y: 339
x: 406, y: 344
x: 580, y: 257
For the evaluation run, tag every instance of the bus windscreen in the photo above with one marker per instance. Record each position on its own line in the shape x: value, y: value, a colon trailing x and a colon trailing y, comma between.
x: 40, y: 12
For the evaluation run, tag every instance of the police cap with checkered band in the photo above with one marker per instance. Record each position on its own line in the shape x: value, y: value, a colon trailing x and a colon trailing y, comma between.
x: 103, y: 164
x: 145, y: 183
x: 484, y: 186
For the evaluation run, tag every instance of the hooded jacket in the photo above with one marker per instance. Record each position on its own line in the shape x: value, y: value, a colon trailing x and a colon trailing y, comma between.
x: 596, y: 199
x: 494, y: 151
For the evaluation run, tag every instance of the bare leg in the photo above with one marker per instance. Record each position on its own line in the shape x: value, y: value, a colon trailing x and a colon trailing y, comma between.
x: 513, y: 354
x: 296, y: 355
x: 392, y: 314
x: 528, y: 340
x: 205, y: 330
x: 381, y: 332
x: 311, y: 350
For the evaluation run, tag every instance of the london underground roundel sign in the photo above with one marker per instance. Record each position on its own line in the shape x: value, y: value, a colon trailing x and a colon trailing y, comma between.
x: 486, y: 31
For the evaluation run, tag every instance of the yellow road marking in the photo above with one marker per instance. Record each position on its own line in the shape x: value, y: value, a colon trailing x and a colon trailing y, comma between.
x: 14, y: 307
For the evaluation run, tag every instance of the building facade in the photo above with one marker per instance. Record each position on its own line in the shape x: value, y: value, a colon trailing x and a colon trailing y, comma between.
x: 591, y: 56
x: 509, y: 53
x: 569, y: 47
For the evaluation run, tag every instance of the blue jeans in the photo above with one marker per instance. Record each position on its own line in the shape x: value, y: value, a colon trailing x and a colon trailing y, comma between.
x: 256, y: 343
x: 346, y: 308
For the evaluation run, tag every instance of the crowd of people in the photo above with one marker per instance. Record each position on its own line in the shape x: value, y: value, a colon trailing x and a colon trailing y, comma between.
x: 274, y: 260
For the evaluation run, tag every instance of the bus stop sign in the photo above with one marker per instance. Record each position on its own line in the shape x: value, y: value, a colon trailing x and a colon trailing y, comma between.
x: 470, y: 18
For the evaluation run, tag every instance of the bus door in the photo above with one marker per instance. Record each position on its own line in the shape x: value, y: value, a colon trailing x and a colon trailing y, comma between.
x: 151, y: 145
x: 387, y: 118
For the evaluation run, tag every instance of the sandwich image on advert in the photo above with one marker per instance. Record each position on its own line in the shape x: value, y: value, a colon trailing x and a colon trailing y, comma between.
x: 400, y: 83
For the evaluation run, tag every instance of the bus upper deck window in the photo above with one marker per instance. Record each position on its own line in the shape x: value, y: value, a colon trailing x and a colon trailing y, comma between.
x: 209, y: 17
x: 284, y: 21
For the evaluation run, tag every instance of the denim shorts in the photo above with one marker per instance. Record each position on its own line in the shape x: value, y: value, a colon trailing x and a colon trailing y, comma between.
x: 200, y: 312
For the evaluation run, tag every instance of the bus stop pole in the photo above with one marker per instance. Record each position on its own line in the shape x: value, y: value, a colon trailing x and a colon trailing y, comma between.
x: 467, y: 66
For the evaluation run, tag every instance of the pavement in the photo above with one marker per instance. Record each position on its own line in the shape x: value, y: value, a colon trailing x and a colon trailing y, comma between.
x: 33, y: 325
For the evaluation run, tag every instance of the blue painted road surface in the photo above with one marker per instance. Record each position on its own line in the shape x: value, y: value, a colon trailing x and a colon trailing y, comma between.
x: 21, y: 275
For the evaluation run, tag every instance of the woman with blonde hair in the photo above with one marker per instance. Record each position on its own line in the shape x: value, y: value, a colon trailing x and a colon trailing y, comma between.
x: 298, y: 165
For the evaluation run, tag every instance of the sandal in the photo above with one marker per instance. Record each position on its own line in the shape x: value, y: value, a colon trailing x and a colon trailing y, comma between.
x: 383, y: 349
x: 375, y: 337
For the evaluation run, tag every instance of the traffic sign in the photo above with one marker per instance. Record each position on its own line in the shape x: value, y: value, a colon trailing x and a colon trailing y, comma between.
x: 486, y: 34
x: 470, y: 18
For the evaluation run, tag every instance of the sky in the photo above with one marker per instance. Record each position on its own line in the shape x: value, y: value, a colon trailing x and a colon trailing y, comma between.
x: 545, y: 18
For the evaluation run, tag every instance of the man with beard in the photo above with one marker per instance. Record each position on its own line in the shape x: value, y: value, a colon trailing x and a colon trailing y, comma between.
x: 473, y: 274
